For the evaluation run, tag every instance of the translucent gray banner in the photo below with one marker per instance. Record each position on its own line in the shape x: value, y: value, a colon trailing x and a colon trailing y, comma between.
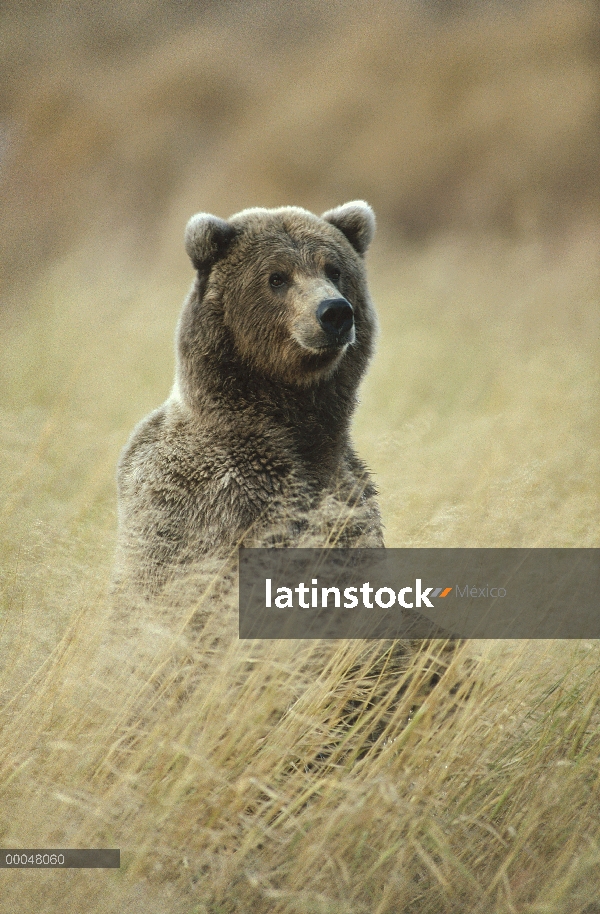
x: 419, y: 593
x: 61, y: 858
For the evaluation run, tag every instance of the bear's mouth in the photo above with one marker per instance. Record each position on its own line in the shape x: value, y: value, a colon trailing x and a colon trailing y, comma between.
x: 334, y: 347
x: 326, y: 350
x: 333, y: 341
x: 319, y: 362
x: 322, y: 342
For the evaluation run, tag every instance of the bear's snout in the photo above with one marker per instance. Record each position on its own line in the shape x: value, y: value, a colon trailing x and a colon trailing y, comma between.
x: 336, y: 317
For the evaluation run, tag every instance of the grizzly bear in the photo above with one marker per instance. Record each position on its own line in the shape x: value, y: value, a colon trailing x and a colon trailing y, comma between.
x: 253, y: 445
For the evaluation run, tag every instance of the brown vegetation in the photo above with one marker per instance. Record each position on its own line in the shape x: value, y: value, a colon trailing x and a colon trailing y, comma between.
x: 114, y: 131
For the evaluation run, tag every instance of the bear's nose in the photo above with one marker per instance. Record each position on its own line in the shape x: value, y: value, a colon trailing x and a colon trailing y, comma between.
x: 335, y: 316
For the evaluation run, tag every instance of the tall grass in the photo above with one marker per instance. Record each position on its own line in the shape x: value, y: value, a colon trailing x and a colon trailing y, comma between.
x: 239, y: 777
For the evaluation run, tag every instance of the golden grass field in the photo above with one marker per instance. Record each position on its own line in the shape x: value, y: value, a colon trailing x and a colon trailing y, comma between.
x: 228, y: 772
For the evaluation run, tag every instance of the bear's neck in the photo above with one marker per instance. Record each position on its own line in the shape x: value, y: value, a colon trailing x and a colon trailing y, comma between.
x: 313, y: 420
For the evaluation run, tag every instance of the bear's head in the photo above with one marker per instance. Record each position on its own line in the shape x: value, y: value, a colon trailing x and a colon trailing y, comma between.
x: 280, y: 297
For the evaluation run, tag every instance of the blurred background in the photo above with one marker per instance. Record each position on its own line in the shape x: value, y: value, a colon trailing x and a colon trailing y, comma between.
x: 118, y: 120
x: 472, y: 128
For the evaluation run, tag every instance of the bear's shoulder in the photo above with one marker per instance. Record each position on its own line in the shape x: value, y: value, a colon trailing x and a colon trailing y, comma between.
x: 176, y: 464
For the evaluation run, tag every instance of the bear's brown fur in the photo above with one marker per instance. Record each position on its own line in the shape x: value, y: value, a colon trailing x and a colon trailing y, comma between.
x: 253, y: 444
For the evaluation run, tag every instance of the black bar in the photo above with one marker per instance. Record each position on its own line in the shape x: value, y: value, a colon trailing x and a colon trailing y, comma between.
x: 59, y: 858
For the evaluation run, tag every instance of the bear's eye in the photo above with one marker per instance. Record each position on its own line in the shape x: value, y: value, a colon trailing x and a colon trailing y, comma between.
x: 276, y: 280
x: 333, y: 273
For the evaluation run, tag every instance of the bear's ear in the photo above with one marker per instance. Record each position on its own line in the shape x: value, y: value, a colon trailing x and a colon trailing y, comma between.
x: 357, y: 222
x: 207, y: 239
